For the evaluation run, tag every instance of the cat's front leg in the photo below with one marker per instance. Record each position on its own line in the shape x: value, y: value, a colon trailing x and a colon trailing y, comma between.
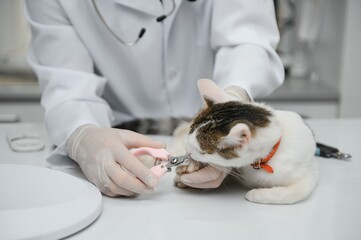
x: 193, y: 166
x: 283, y: 195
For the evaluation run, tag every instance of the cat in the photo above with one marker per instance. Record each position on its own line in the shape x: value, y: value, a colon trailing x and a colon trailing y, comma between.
x: 235, y: 136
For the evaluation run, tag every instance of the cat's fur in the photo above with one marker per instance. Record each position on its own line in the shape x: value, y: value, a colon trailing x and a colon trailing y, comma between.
x: 233, y: 134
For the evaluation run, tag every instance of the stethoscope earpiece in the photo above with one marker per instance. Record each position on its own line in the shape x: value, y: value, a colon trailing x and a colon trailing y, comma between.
x: 142, y: 31
x: 161, y: 18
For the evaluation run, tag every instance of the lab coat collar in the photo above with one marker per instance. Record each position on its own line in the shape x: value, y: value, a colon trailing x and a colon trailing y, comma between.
x: 152, y: 7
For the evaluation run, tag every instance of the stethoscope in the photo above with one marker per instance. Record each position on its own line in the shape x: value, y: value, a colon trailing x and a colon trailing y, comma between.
x: 142, y: 30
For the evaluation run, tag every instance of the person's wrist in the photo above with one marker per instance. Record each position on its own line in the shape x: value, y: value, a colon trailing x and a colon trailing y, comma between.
x: 75, y: 138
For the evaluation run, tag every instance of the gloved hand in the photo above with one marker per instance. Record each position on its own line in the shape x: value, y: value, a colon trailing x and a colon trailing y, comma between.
x: 103, y: 156
x: 199, y: 175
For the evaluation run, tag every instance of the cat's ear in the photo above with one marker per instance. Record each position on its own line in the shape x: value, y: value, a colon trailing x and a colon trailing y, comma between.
x: 208, y: 101
x: 211, y: 93
x: 238, y: 137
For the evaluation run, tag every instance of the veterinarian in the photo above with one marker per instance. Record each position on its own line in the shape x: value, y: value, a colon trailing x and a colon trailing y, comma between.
x: 104, y: 62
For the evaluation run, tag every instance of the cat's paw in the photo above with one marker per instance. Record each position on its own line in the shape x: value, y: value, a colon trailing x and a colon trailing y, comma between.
x: 281, y: 195
x: 260, y: 195
x: 193, y: 166
x: 178, y: 183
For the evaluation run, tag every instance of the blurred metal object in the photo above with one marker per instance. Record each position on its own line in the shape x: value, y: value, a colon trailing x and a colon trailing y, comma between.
x: 326, y: 151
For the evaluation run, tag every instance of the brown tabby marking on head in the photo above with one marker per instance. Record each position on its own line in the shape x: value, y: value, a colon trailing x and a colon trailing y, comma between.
x: 216, y: 121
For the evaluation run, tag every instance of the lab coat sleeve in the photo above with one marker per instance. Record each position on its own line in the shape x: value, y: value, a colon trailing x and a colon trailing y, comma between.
x: 71, y: 92
x: 244, y: 35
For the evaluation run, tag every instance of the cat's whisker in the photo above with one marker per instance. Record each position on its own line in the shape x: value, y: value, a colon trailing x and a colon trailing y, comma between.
x: 210, y: 170
x: 210, y: 167
x: 238, y: 175
x: 235, y: 175
x: 232, y: 172
x: 226, y: 170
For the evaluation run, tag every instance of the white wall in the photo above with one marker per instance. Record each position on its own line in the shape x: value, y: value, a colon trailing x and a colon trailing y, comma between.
x: 327, y: 52
x: 14, y: 35
x: 350, y: 83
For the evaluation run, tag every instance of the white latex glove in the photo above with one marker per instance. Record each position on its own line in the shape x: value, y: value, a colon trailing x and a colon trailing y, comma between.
x: 103, y: 156
x: 198, y: 175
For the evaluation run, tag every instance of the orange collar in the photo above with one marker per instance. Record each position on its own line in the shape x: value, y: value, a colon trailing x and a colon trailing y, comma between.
x: 261, y: 164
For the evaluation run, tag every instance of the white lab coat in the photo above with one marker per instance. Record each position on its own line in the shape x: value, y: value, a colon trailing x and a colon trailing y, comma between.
x: 87, y: 76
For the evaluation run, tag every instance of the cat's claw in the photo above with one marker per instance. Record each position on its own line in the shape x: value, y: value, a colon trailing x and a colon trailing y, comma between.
x: 178, y: 183
x: 192, y: 167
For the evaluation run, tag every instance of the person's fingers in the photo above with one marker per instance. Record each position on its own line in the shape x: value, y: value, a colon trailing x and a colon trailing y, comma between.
x: 203, y: 175
x: 134, y: 166
x: 112, y: 190
x: 133, y: 140
x: 207, y: 177
x: 204, y: 185
x: 109, y: 188
x: 124, y: 180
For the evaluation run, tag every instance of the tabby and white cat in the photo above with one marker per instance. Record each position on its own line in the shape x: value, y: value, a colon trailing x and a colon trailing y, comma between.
x: 271, y: 151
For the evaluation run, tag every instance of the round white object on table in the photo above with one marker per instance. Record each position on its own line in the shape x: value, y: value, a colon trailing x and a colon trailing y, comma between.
x: 41, y: 203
